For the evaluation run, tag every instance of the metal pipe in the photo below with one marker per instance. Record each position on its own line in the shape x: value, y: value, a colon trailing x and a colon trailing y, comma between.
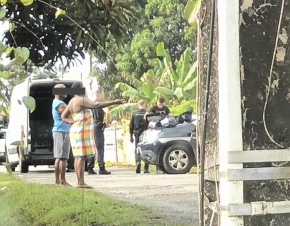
x: 257, y: 208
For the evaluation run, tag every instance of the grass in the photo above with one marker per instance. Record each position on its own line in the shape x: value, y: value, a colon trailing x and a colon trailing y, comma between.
x: 28, y: 204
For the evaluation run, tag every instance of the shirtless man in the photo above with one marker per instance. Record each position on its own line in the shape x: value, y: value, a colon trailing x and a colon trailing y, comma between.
x: 61, y: 142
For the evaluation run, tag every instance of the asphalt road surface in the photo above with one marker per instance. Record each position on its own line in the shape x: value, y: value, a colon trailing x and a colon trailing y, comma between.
x: 173, y: 196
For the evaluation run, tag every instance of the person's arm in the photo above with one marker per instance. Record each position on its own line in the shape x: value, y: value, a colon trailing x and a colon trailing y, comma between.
x: 132, y: 128
x: 150, y: 110
x: 61, y: 109
x: 66, y: 116
x: 107, y: 111
x: 87, y: 103
x: 168, y: 112
x: 146, y: 114
x: 132, y: 125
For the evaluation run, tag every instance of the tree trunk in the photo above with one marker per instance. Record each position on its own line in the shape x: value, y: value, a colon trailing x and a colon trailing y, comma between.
x: 212, y: 126
x: 259, y: 20
x: 258, y: 32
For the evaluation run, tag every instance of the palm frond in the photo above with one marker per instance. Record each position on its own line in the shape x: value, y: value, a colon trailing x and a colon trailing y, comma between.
x: 190, y: 75
x: 124, y: 87
x: 134, y: 94
x: 164, y: 91
x: 122, y: 109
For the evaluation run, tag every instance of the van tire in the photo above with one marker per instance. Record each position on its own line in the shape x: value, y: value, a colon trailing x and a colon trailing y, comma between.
x: 23, y: 165
x: 7, y: 160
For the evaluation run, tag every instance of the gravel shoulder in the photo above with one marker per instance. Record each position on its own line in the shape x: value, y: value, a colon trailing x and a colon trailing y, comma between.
x: 173, y: 196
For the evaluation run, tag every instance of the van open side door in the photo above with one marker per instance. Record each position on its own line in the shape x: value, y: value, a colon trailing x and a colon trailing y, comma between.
x: 18, y: 123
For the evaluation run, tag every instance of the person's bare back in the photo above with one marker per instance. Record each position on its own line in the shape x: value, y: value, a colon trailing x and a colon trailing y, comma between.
x: 80, y: 103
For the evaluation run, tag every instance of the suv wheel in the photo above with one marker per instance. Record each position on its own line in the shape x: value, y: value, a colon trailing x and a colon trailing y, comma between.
x: 162, y: 168
x: 177, y: 159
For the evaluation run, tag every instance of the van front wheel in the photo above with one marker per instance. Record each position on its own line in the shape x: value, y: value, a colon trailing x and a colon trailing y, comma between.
x: 7, y: 160
x: 23, y: 165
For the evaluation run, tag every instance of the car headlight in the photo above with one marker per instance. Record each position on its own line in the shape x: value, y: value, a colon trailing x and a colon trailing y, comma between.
x: 150, y: 135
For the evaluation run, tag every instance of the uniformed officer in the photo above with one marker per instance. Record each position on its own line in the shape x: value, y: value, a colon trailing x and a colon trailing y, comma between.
x: 160, y: 107
x: 99, y: 126
x: 137, y: 126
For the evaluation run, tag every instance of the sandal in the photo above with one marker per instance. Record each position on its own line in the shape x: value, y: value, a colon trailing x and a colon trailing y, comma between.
x: 85, y: 186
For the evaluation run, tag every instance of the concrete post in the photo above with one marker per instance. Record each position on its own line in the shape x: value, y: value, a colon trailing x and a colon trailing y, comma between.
x: 230, y: 120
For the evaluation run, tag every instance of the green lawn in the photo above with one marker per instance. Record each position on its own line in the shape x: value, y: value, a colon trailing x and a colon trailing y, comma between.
x: 28, y: 204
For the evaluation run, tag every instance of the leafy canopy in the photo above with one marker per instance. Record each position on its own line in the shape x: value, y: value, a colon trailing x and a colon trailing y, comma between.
x: 60, y: 29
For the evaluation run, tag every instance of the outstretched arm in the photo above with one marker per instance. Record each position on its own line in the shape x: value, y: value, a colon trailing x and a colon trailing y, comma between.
x: 87, y: 103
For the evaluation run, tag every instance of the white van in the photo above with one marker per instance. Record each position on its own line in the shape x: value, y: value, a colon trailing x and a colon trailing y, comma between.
x: 33, y: 129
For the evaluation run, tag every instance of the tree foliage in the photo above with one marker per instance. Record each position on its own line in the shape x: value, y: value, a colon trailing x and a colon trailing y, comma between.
x: 181, y: 85
x: 158, y: 21
x: 163, y: 21
x: 11, y: 74
x: 53, y: 29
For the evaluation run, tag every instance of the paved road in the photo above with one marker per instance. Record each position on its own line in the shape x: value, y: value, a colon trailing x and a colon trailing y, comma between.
x: 174, y: 196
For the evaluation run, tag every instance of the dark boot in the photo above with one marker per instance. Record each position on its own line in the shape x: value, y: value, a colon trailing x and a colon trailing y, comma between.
x: 103, y: 171
x: 146, y: 168
x: 138, y: 169
x: 91, y: 172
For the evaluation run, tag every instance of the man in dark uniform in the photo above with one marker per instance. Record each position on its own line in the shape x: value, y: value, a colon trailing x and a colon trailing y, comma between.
x: 160, y: 107
x: 164, y: 110
x: 99, y: 126
x: 137, y: 126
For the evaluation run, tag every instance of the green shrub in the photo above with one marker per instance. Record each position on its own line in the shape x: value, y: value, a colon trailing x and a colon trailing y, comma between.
x: 182, y: 107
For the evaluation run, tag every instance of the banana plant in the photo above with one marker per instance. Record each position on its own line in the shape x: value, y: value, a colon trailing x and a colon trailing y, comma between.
x: 191, y: 11
x: 182, y: 79
x: 120, y: 109
x: 144, y: 91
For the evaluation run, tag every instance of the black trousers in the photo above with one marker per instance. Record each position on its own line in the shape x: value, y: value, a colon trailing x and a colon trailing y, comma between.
x: 100, y: 144
x: 137, y: 155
